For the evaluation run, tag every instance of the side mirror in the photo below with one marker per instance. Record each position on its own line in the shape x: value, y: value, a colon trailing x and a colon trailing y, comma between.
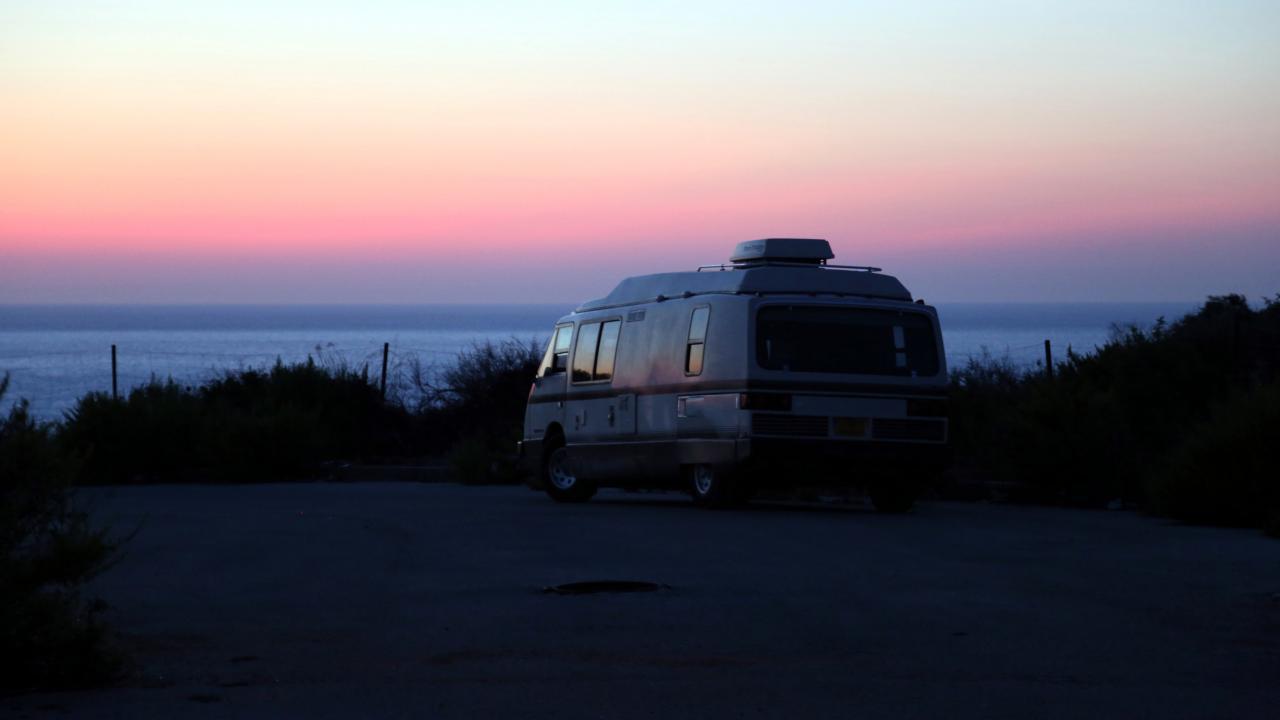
x: 559, y: 363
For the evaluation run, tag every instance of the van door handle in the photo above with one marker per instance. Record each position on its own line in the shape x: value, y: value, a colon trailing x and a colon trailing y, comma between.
x: 610, y: 416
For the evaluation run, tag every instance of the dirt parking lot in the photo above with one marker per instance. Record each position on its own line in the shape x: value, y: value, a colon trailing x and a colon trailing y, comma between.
x: 412, y: 600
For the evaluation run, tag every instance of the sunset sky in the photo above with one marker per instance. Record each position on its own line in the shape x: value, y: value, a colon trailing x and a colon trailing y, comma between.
x: 257, y: 151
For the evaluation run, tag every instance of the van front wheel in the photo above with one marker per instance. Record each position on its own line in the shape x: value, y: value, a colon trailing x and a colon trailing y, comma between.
x: 713, y: 488
x: 563, y: 484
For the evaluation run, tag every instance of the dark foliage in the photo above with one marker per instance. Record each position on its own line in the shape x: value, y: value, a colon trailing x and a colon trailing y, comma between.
x: 50, y: 636
x: 249, y: 425
x: 291, y: 421
x: 1148, y: 407
x: 474, y: 408
x: 1225, y: 469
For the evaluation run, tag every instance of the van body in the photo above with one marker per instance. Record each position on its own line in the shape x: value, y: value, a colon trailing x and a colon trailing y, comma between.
x: 775, y: 369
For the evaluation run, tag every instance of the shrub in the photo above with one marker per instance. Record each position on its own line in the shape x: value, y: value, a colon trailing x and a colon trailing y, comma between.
x: 148, y: 436
x: 1147, y: 401
x: 474, y: 408
x: 249, y: 425
x: 50, y: 637
x: 283, y: 422
x: 1225, y: 470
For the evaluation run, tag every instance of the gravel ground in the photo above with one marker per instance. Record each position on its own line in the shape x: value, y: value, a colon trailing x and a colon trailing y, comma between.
x: 410, y: 600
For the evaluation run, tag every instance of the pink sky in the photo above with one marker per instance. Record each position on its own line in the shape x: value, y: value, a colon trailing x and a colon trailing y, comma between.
x: 310, y: 153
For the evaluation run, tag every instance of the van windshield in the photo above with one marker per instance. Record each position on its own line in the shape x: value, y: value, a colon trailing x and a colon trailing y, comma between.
x: 853, y: 341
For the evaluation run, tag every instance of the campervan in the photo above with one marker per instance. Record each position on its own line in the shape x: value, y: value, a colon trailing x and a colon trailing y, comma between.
x: 775, y: 369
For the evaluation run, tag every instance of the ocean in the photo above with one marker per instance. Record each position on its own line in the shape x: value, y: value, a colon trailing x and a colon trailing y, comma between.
x: 54, y: 354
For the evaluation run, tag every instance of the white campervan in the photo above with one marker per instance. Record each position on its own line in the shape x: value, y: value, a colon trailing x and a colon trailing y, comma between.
x: 775, y: 369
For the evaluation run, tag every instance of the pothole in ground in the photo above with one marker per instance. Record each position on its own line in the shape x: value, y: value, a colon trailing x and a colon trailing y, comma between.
x: 596, y: 587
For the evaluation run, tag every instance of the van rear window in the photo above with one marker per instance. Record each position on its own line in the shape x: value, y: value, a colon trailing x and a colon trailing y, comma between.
x: 852, y: 341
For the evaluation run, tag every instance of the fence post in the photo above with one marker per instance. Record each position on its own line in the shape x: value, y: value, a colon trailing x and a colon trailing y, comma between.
x: 1048, y: 359
x: 386, y: 348
x: 1235, y: 340
x: 115, y: 388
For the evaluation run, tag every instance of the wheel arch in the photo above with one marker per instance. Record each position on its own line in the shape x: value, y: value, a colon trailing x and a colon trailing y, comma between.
x: 554, y: 436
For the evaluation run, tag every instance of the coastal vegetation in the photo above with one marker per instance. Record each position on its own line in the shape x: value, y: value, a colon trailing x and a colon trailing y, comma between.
x: 473, y: 408
x: 297, y: 421
x: 51, y: 635
x: 1180, y: 419
x: 255, y: 425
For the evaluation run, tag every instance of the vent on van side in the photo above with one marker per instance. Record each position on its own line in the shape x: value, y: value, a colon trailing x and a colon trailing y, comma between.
x: 789, y: 425
x: 898, y: 429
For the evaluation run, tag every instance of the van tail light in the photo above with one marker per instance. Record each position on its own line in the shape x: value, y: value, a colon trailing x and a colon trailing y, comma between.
x: 764, y: 401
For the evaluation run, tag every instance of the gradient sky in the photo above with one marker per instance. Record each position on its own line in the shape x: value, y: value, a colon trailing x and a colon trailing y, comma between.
x: 257, y: 151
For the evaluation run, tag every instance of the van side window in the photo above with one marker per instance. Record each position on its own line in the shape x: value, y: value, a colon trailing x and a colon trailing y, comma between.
x: 584, y: 355
x: 693, y: 352
x: 557, y: 358
x: 593, y: 358
x: 608, y: 350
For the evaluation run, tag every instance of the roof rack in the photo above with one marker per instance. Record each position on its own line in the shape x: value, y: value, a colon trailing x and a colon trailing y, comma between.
x: 783, y: 263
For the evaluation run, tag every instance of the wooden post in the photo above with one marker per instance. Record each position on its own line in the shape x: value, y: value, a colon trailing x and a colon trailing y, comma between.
x: 115, y: 387
x: 386, y: 348
x: 1048, y: 359
x: 1235, y: 340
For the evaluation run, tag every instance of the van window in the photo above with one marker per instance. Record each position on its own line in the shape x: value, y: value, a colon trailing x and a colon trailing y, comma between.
x: 557, y: 358
x: 584, y: 356
x: 693, y: 352
x: 608, y: 350
x: 593, y: 358
x: 846, y: 340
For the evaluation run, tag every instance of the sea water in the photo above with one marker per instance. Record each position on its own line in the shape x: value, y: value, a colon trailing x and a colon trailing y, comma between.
x: 55, y: 354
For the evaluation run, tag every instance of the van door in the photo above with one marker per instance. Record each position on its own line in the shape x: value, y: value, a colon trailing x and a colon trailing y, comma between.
x: 619, y: 410
x: 578, y: 403
x: 622, y: 415
x: 597, y: 418
x: 546, y: 402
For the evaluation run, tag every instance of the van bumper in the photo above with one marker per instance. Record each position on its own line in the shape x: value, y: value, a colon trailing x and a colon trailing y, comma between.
x: 788, y: 460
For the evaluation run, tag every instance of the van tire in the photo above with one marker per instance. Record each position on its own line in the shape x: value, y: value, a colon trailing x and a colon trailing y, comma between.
x: 561, y: 483
x: 890, y: 496
x: 714, y: 488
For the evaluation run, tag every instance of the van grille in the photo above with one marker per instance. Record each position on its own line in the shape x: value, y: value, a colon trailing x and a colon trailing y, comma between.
x: 894, y: 429
x: 790, y: 425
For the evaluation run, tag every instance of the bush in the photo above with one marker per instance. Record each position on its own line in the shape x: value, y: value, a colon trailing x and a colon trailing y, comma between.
x: 288, y: 421
x: 50, y: 637
x: 149, y: 436
x: 283, y: 423
x: 248, y: 425
x: 1225, y: 471
x: 1105, y: 423
x: 474, y: 408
